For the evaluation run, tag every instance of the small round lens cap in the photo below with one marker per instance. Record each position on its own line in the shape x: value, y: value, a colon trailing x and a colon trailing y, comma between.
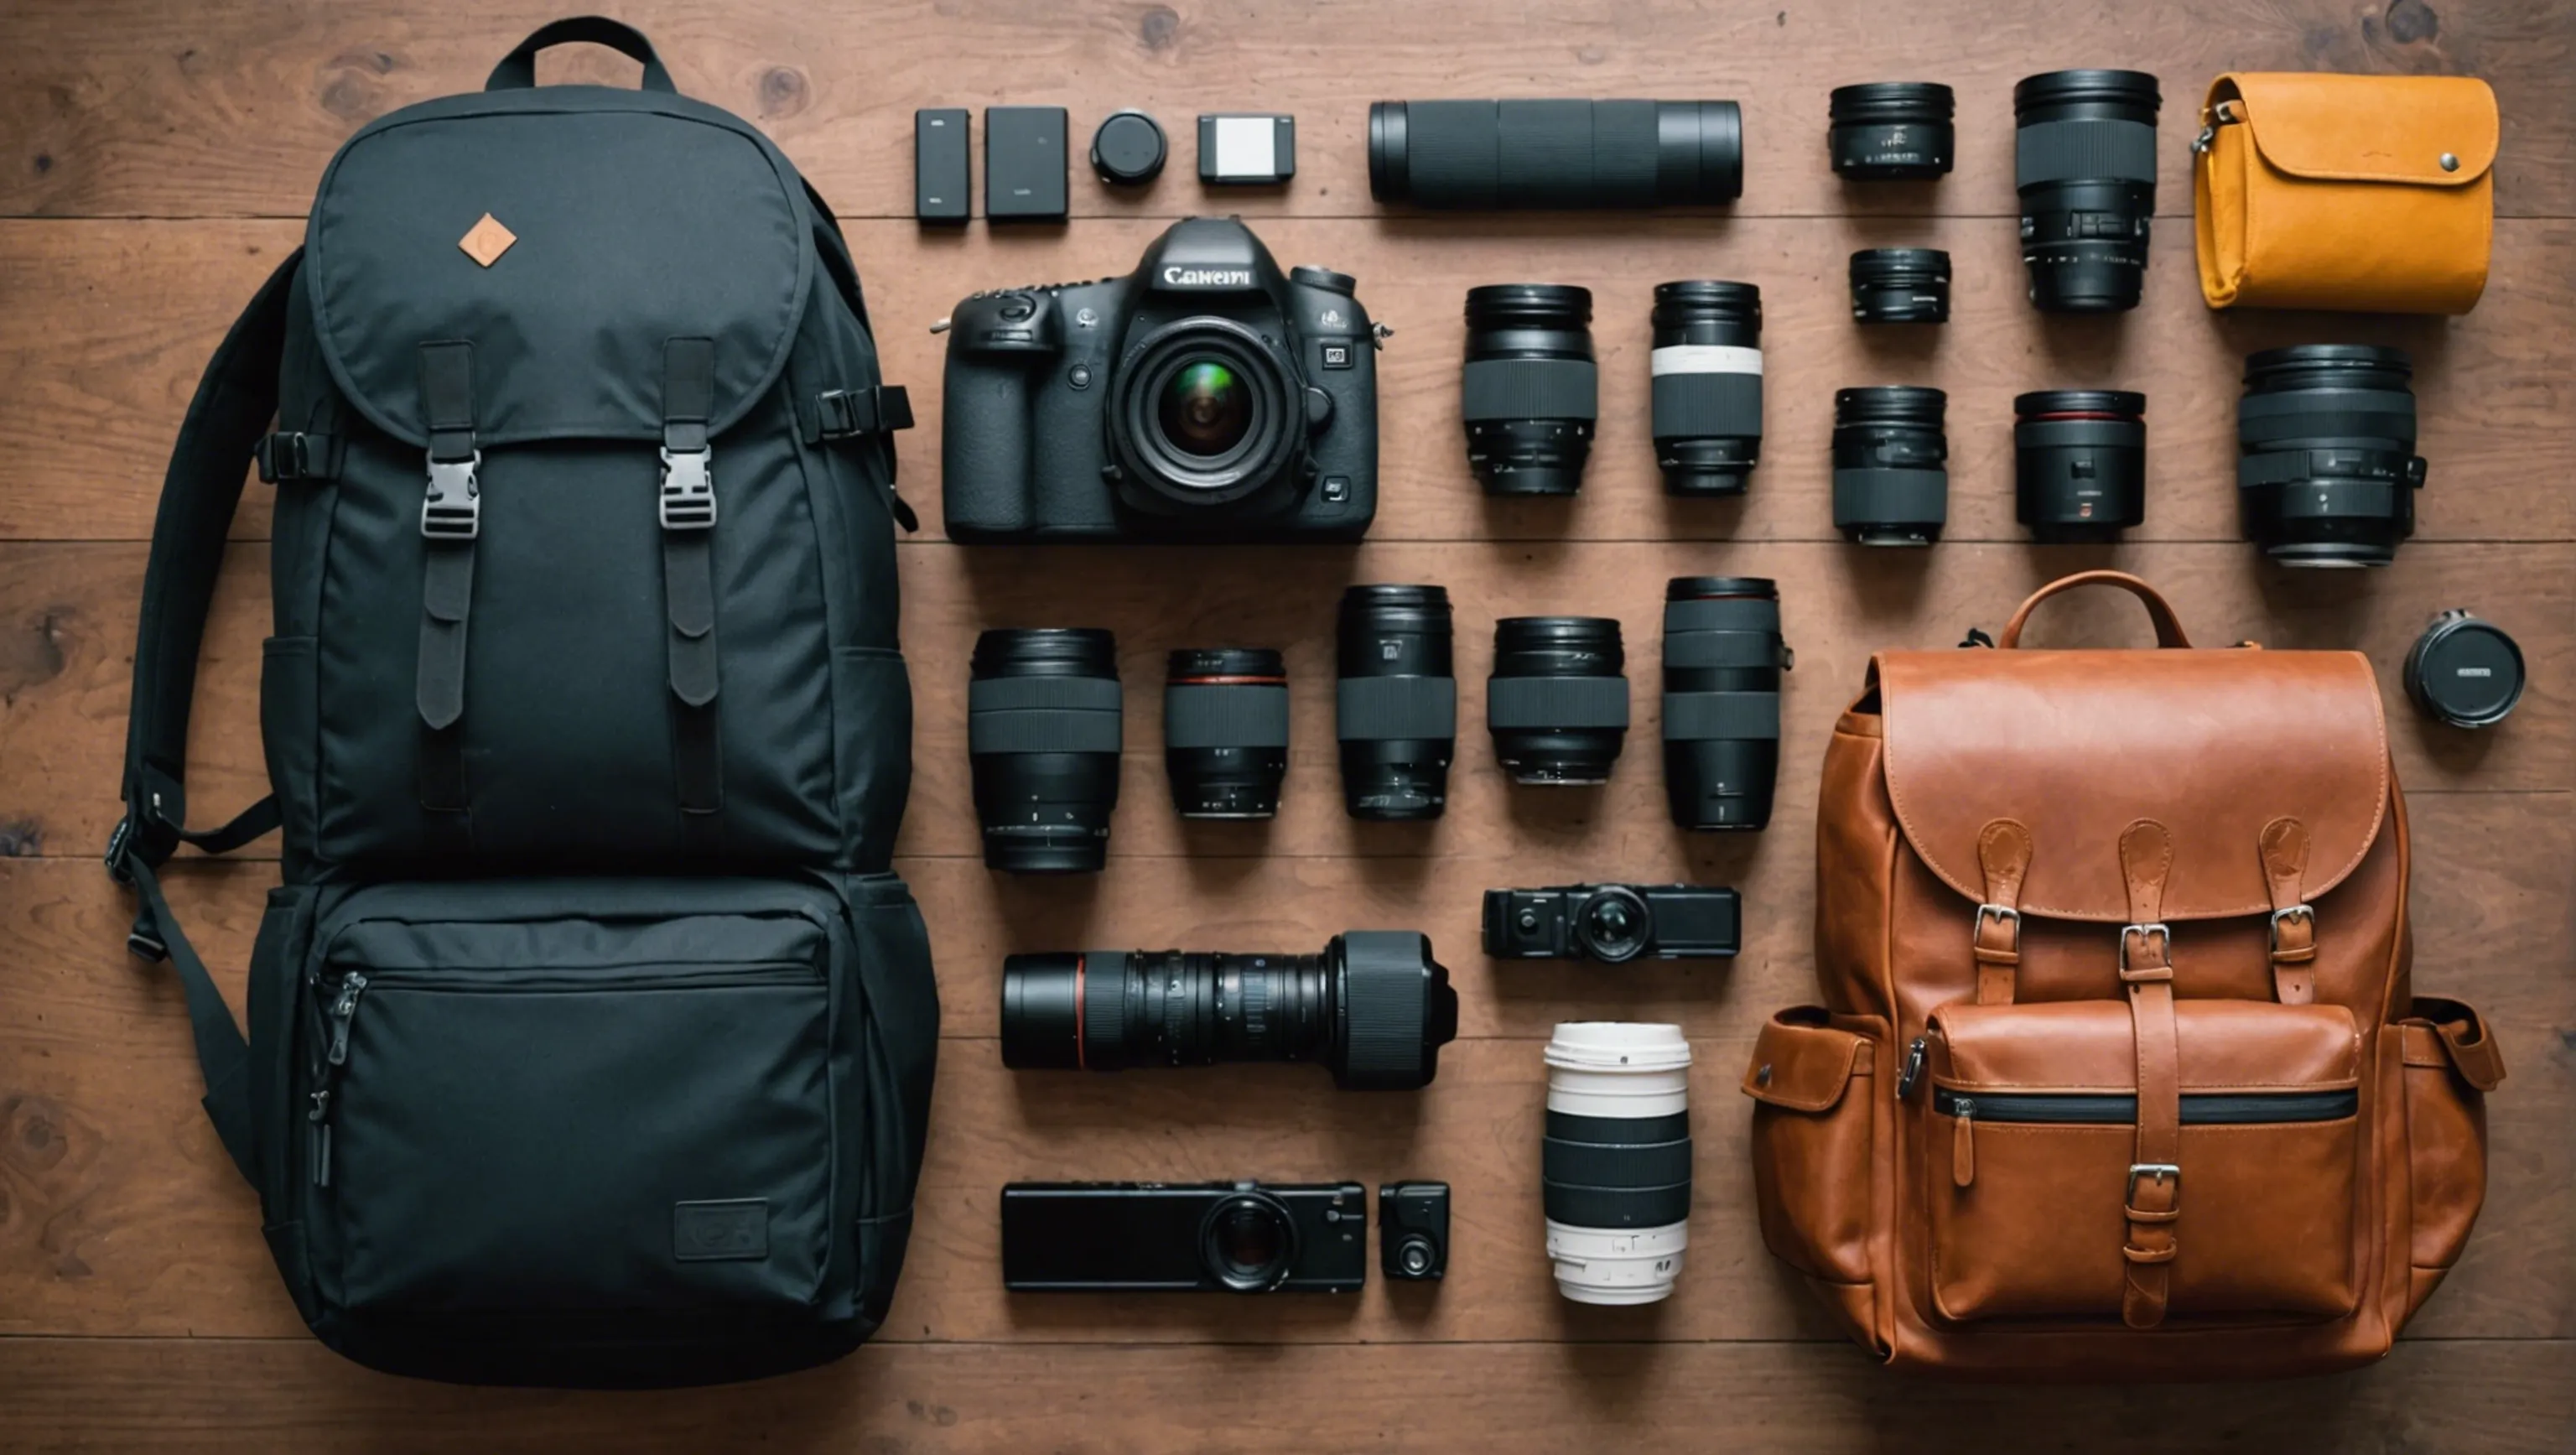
x: 1128, y: 149
x: 2464, y: 671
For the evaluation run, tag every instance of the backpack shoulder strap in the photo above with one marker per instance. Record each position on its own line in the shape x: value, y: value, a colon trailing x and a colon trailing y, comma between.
x: 232, y: 408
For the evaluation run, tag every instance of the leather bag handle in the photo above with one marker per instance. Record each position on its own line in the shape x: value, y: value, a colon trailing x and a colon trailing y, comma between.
x: 2169, y: 631
x: 518, y: 69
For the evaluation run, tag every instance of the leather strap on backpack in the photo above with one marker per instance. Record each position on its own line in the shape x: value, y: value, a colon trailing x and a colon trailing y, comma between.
x: 2153, y: 1200
x: 2003, y: 852
x: 2294, y: 925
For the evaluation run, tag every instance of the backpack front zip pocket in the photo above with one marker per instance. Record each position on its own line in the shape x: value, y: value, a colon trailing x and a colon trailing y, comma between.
x: 632, y: 1115
x: 2202, y: 1109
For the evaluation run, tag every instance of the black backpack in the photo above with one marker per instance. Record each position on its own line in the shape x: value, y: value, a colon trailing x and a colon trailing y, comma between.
x: 590, y: 1037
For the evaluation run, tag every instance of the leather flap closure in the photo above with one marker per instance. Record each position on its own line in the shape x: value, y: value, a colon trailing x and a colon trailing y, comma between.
x: 2089, y: 1046
x: 2366, y: 128
x: 1802, y: 1063
x: 2447, y: 1033
x: 2077, y: 745
x: 568, y: 234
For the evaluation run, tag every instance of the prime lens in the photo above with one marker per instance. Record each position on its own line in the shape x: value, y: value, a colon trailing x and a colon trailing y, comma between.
x: 1891, y: 131
x: 1558, y: 702
x: 1707, y: 369
x: 2085, y: 164
x: 1723, y: 656
x: 1615, y: 1161
x: 1900, y: 285
x: 1483, y: 155
x: 1374, y: 1008
x: 2326, y: 470
x: 1396, y: 701
x: 1225, y: 731
x: 1203, y: 414
x: 2464, y: 671
x: 2080, y: 463
x: 1531, y: 390
x: 1043, y: 734
x: 1891, y: 471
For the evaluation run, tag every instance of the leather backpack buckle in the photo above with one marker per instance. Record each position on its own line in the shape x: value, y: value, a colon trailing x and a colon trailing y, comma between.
x: 2152, y: 943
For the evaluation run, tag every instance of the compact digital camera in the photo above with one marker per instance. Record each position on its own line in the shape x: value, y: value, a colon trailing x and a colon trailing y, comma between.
x: 1612, y: 923
x: 1236, y: 1237
x: 1204, y: 397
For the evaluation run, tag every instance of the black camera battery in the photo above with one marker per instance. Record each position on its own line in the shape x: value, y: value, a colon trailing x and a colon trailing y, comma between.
x: 1024, y: 163
x: 941, y: 191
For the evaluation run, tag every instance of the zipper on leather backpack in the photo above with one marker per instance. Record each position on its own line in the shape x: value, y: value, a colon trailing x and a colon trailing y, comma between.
x: 2211, y: 1108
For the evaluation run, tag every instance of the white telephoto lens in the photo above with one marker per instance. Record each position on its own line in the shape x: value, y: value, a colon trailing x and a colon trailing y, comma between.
x: 1616, y: 1160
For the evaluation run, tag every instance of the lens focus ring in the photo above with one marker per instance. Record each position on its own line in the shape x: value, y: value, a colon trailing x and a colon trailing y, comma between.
x: 1042, y: 715
x: 2084, y: 150
x: 1557, y: 702
x: 1374, y: 709
x: 1532, y: 389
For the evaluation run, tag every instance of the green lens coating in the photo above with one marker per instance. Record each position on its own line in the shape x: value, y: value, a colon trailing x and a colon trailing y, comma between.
x: 1205, y: 409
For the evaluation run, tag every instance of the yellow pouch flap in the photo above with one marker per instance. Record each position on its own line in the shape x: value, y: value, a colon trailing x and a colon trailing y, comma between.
x: 2363, y: 128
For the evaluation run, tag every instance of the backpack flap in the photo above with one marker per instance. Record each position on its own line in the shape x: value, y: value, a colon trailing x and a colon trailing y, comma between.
x: 569, y: 235
x: 2075, y: 746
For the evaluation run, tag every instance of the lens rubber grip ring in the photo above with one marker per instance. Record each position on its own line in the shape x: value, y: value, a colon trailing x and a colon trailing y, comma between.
x: 1531, y: 389
x: 2092, y: 150
x: 1702, y: 717
x: 1637, y: 1167
x: 1618, y: 1131
x: 1688, y: 649
x: 1225, y: 715
x: 1043, y: 730
x: 1382, y: 709
x: 1514, y: 703
x: 1873, y: 496
x: 1616, y: 1207
x: 1693, y: 406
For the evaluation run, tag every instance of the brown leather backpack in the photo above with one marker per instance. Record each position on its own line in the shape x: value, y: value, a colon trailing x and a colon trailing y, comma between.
x: 2119, y: 1074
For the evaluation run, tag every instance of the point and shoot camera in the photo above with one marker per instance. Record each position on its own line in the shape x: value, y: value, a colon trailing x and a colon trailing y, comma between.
x: 1206, y: 396
x: 1612, y: 923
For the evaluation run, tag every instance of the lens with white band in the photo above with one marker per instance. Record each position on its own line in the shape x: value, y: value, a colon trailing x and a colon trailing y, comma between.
x: 1707, y: 368
x: 1616, y: 1162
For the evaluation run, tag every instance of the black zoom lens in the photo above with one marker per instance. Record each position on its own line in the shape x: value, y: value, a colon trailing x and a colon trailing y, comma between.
x: 1481, y: 155
x: 1707, y: 367
x: 1531, y: 390
x: 2327, y: 472
x: 1891, y: 472
x: 1225, y: 731
x: 1891, y: 131
x: 1900, y: 285
x: 1374, y: 1008
x: 2080, y: 463
x: 1723, y: 657
x: 2085, y: 164
x: 1557, y: 704
x: 1042, y: 728
x: 1396, y: 703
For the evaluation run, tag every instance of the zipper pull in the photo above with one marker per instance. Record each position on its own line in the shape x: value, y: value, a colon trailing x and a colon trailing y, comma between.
x: 343, y: 1011
x: 1913, y: 1071
x: 317, y: 1147
x: 1963, y: 1142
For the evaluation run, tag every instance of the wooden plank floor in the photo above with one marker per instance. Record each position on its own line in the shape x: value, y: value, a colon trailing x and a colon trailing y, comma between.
x: 155, y: 161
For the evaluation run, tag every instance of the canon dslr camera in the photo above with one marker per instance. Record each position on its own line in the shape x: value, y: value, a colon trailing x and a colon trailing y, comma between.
x: 1203, y: 397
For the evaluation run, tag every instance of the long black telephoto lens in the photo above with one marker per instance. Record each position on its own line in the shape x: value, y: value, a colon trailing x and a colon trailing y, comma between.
x: 2080, y: 463
x: 1532, y: 389
x: 1396, y: 703
x: 1900, y: 285
x: 1483, y: 155
x: 1723, y: 656
x: 1225, y: 731
x: 1891, y: 131
x: 1891, y: 471
x: 2085, y: 164
x: 1042, y: 729
x: 1707, y: 367
x: 2327, y: 472
x: 1557, y: 702
x: 1374, y: 1008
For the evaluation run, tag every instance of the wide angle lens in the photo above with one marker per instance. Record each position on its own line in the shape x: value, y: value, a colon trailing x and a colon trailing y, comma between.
x: 1374, y: 1008
x: 1531, y: 390
x: 1396, y: 702
x: 2085, y: 165
x: 1043, y: 732
x: 2326, y: 470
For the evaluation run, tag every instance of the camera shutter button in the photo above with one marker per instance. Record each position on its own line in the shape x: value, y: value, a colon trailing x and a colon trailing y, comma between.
x: 1018, y: 306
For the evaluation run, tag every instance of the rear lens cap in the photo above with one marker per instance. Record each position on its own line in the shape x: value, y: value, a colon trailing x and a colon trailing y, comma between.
x: 1128, y: 149
x: 2464, y: 671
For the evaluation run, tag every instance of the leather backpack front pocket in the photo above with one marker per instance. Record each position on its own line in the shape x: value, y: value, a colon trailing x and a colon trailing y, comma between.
x: 2029, y: 1135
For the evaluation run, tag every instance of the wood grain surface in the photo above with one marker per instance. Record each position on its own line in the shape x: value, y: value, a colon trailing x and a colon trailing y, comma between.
x: 156, y: 162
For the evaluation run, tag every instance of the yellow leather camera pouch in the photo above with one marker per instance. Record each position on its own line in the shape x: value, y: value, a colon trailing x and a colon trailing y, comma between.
x: 2369, y: 193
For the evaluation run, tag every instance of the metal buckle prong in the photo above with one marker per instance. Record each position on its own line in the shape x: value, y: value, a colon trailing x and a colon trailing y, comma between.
x: 2160, y: 935
x: 2160, y: 1171
x: 453, y: 508
x: 2286, y: 914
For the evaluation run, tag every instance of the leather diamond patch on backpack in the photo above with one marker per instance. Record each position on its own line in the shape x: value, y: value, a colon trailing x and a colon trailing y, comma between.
x: 487, y: 240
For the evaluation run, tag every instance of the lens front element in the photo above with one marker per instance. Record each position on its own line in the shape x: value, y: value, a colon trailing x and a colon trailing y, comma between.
x: 1205, y: 409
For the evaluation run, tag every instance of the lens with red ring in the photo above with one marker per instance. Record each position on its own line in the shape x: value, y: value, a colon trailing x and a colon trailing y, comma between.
x: 2080, y: 463
x: 1225, y: 731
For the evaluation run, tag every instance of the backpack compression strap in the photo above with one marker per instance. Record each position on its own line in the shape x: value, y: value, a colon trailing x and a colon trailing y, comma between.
x: 232, y: 408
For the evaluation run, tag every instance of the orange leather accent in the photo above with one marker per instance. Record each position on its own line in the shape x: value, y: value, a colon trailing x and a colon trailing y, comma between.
x: 2003, y: 854
x: 2169, y: 632
x: 2020, y: 1249
x: 2327, y: 191
x: 2284, y: 849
